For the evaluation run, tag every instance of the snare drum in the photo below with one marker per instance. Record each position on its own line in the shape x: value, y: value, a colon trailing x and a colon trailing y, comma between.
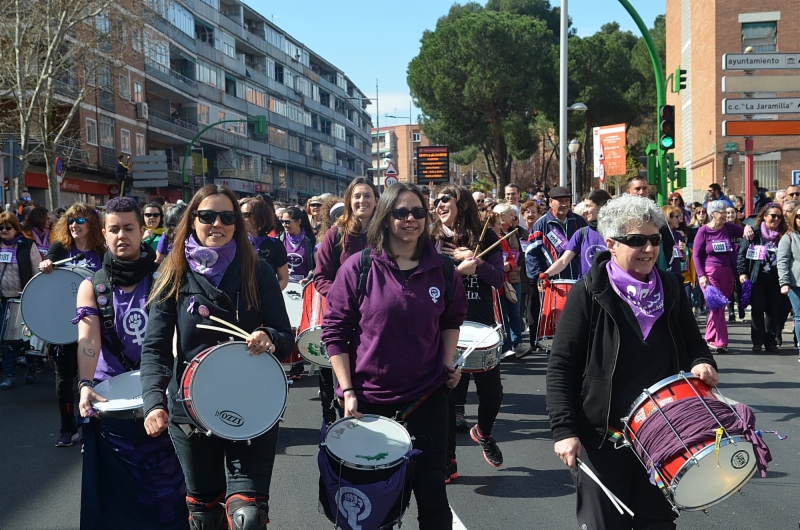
x: 124, y: 395
x: 37, y: 346
x: 690, y: 485
x: 13, y: 324
x: 309, y: 336
x: 57, y: 292
x: 293, y: 300
x: 234, y: 395
x: 553, y: 299
x: 487, y: 354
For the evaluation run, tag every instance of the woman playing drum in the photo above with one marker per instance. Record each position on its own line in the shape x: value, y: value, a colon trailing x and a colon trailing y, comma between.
x: 392, y: 342
x: 625, y: 326
x: 348, y: 236
x: 19, y: 257
x: 79, y: 231
x: 260, y: 221
x: 458, y: 233
x: 212, y: 271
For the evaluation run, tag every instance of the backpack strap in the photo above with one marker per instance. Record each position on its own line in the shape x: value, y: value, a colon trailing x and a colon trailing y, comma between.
x: 449, y: 268
x: 337, y: 248
x: 365, y: 262
x: 101, y: 286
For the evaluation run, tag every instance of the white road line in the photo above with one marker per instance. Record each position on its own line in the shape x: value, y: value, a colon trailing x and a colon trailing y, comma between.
x: 457, y: 524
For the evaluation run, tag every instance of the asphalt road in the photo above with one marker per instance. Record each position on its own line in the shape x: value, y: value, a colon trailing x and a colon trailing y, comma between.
x: 40, y: 484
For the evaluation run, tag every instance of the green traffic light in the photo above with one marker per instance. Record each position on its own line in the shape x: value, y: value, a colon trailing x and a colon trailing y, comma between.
x: 667, y: 142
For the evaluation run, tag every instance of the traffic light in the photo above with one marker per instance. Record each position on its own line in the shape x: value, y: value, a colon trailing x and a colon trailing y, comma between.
x: 680, y: 75
x: 650, y: 171
x: 666, y: 128
x: 669, y: 166
x: 261, y: 125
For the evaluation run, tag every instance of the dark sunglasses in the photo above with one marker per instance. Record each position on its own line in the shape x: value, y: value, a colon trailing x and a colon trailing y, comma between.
x: 79, y: 220
x: 638, y: 240
x: 6, y: 228
x: 208, y: 217
x: 444, y: 198
x: 287, y: 221
x: 795, y: 194
x: 478, y: 201
x: 774, y: 215
x: 418, y: 212
x: 673, y: 199
x: 151, y: 215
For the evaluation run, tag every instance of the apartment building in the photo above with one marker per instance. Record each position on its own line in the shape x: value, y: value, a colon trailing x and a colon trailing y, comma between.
x: 218, y: 63
x: 699, y: 32
x: 397, y: 144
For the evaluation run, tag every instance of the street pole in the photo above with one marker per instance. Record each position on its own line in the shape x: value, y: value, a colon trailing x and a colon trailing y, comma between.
x: 378, y: 137
x: 562, y: 111
x: 748, y: 177
x: 575, y: 190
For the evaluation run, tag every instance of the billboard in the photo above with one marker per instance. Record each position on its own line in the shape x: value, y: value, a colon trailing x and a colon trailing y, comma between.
x: 609, y: 151
x: 433, y: 164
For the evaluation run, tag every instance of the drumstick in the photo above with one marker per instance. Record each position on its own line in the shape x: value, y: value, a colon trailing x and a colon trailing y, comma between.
x: 240, y: 330
x: 73, y: 258
x: 483, y: 233
x: 472, y: 348
x: 613, y: 498
x: 496, y: 243
x: 223, y: 330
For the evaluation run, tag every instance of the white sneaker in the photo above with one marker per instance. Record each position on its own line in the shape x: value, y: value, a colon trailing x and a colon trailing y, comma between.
x: 509, y: 353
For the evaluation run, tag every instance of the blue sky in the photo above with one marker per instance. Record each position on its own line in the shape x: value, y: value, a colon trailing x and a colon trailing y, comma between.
x: 372, y: 40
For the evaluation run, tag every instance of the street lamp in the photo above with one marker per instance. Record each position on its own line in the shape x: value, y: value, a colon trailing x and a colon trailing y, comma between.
x: 578, y: 106
x: 574, y: 147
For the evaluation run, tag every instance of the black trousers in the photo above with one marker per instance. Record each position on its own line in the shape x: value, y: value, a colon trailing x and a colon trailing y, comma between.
x: 490, y: 397
x: 428, y: 425
x: 65, y: 360
x: 534, y: 308
x: 765, y: 301
x: 326, y: 395
x: 624, y: 475
x: 213, y: 466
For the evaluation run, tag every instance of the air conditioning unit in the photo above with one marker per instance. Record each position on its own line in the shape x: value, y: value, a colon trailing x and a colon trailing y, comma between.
x: 141, y: 111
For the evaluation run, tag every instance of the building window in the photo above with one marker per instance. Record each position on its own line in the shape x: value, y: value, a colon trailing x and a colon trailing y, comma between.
x: 207, y: 74
x: 125, y: 141
x: 766, y: 173
x: 140, y: 149
x: 91, y: 131
x: 124, y: 86
x: 136, y: 40
x: 246, y: 163
x: 762, y: 36
x: 220, y: 117
x: 417, y: 137
x: 202, y: 113
x: 138, y: 93
x: 107, y: 131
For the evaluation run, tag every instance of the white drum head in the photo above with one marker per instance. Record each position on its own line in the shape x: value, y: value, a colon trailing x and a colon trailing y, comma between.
x: 48, y: 304
x: 370, y: 442
x: 472, y: 332
x: 293, y: 299
x: 309, y: 344
x: 236, y: 395
x: 123, y: 392
x: 698, y: 487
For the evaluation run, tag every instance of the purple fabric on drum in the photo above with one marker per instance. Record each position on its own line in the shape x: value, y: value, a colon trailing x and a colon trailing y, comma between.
x: 694, y: 424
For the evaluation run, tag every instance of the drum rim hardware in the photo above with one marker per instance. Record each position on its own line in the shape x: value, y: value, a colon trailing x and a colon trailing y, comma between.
x: 366, y: 467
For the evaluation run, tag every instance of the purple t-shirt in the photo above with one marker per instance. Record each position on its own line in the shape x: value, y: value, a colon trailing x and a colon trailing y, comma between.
x: 586, y: 247
x: 130, y: 321
x: 90, y: 261
x: 164, y: 247
x: 715, y: 247
x: 297, y: 258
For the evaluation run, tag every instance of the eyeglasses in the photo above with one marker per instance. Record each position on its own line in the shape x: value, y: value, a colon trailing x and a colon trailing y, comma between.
x: 444, y: 198
x: 774, y: 215
x: 6, y: 228
x: 286, y: 221
x: 638, y: 240
x: 418, y: 212
x: 79, y: 220
x: 674, y: 199
x: 479, y: 201
x: 208, y: 217
x: 151, y: 215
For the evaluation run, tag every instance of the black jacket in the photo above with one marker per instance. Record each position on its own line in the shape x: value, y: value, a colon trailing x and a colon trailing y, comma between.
x: 585, y: 349
x: 753, y: 267
x: 159, y: 369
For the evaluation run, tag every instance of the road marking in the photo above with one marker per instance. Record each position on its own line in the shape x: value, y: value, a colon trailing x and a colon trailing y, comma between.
x: 457, y: 524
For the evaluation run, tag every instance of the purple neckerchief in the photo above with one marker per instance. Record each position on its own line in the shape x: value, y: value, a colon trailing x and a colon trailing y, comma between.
x: 84, y: 311
x: 769, y: 235
x: 257, y: 241
x: 11, y: 246
x: 646, y: 299
x: 42, y: 238
x: 211, y: 262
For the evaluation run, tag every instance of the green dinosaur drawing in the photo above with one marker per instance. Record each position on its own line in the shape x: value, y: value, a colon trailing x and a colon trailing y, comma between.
x: 379, y: 456
x: 313, y: 350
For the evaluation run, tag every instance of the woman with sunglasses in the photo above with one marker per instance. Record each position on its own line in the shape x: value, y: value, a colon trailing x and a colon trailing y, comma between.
x: 77, y: 232
x: 626, y: 326
x: 347, y: 237
x: 19, y: 258
x: 173, y: 213
x: 37, y: 228
x: 758, y: 262
x: 298, y: 240
x: 234, y: 285
x: 457, y: 234
x: 676, y: 200
x: 261, y: 221
x: 154, y: 224
x: 393, y: 341
x: 715, y: 260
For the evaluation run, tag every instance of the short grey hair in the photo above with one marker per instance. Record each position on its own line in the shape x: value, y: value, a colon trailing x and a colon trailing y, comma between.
x: 503, y: 208
x: 478, y: 195
x: 627, y: 212
x: 715, y: 206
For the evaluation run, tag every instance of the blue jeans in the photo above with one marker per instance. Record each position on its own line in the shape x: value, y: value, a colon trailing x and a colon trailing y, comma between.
x: 794, y: 298
x: 512, y: 324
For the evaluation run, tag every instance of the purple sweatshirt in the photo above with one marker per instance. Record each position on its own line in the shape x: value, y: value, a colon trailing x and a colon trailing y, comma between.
x: 327, y: 266
x: 715, y: 248
x: 393, y: 332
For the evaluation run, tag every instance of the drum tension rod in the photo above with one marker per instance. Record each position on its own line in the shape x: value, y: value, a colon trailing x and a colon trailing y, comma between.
x: 703, y: 401
x: 694, y: 459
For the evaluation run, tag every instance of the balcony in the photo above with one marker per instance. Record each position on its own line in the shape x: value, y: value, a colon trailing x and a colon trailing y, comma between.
x: 106, y: 99
x: 68, y: 87
x: 108, y: 157
x: 178, y: 126
x: 170, y: 77
x: 226, y: 138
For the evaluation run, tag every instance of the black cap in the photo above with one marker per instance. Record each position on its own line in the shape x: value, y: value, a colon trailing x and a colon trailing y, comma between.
x: 560, y: 192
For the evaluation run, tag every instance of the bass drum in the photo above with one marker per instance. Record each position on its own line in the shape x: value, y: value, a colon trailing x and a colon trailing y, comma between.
x: 58, y: 292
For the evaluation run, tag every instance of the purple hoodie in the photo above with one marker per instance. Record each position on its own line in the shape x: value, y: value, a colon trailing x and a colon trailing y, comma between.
x: 327, y: 266
x: 393, y: 332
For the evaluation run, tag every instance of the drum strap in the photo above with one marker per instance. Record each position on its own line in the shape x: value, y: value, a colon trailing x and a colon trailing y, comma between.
x: 401, y: 415
x: 114, y: 345
x: 365, y: 262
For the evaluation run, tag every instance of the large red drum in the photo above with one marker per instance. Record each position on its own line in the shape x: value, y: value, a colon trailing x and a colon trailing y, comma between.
x: 309, y: 334
x: 552, y: 304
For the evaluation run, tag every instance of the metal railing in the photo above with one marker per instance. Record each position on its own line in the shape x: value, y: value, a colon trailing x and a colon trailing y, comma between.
x: 177, y: 125
x: 169, y: 75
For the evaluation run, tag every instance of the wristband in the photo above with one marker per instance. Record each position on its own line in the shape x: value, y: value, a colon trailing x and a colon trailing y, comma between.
x: 351, y: 389
x: 85, y: 382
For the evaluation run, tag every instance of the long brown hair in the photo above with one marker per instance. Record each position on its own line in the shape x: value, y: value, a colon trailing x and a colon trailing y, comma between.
x: 378, y: 233
x: 260, y: 215
x: 467, y: 226
x: 792, y: 217
x: 348, y: 221
x: 95, y: 239
x: 175, y: 265
x: 763, y: 213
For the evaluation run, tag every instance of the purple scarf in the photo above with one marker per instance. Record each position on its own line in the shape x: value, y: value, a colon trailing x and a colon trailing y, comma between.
x: 768, y: 235
x: 646, y: 299
x: 11, y: 246
x: 256, y: 241
x: 210, y: 262
x: 42, y: 238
